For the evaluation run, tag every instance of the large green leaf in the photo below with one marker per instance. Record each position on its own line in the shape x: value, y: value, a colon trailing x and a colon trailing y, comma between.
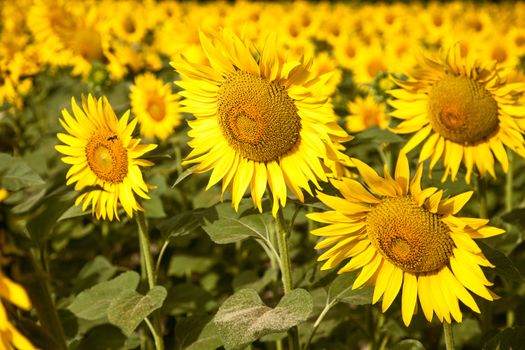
x: 243, y: 317
x: 341, y: 290
x: 408, y: 344
x: 196, y: 333
x: 181, y: 224
x: 509, y: 338
x: 130, y: 308
x: 92, y: 304
x: 53, y: 207
x: 504, y: 266
x: 16, y: 174
x: 224, y: 225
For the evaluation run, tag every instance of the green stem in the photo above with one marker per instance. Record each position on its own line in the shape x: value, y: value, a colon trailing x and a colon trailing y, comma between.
x: 40, y: 296
x: 482, y: 194
x: 282, y: 242
x: 449, y: 336
x: 150, y: 274
x: 286, y: 271
x: 320, y: 318
x: 509, y: 183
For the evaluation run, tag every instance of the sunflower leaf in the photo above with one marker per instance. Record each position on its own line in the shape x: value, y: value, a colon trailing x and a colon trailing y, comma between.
x: 224, y: 225
x: 243, y: 317
x: 130, y: 308
x: 184, y: 175
x: 509, y: 338
x: 16, y: 174
x: 504, y: 266
x: 92, y: 304
x: 341, y: 291
x: 408, y: 344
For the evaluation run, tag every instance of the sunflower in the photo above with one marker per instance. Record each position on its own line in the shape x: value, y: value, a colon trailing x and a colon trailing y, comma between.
x: 10, y: 337
x: 258, y: 121
x: 103, y: 153
x: 406, y: 238
x: 366, y: 112
x: 464, y: 110
x: 155, y: 106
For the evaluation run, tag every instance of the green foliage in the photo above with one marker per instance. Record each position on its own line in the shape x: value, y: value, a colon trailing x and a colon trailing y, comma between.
x: 129, y: 308
x: 243, y: 317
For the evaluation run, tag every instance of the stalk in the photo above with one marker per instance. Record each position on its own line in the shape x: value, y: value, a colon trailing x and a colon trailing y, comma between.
x: 286, y: 271
x: 147, y: 263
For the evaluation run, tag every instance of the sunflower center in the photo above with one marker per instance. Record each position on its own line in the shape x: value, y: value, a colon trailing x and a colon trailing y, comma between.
x: 156, y: 108
x: 257, y: 117
x: 107, y: 157
x: 87, y: 43
x: 409, y: 236
x: 462, y: 110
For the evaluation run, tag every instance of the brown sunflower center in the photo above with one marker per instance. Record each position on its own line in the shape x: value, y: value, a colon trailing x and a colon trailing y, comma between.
x: 409, y: 236
x: 156, y: 108
x: 107, y: 157
x: 462, y: 110
x: 257, y: 117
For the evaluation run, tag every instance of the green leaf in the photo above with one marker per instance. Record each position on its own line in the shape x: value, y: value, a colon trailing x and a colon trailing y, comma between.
x: 378, y: 136
x: 509, y: 338
x: 93, y: 303
x: 182, y: 265
x: 196, y: 333
x: 106, y: 337
x: 95, y: 271
x: 515, y: 217
x: 16, y: 174
x: 341, y: 290
x: 181, y: 224
x: 153, y: 207
x: 130, y: 308
x: 184, y: 298
x: 224, y: 225
x: 243, y: 317
x: 53, y: 207
x: 504, y: 266
x: 408, y: 344
x: 184, y: 175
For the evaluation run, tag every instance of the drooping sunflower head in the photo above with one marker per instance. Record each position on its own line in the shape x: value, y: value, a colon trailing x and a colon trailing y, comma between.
x: 403, y: 237
x: 465, y: 110
x: 258, y: 120
x: 102, y: 153
x: 155, y: 106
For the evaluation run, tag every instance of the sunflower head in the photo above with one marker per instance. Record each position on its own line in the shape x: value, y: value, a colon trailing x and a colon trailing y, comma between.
x: 102, y: 153
x: 155, y: 106
x: 259, y: 120
x: 403, y: 237
x: 464, y: 109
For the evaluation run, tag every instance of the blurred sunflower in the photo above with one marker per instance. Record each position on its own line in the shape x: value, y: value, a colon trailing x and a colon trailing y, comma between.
x: 258, y: 121
x: 464, y: 110
x: 103, y: 153
x: 155, y: 106
x: 3, y: 194
x: 365, y: 113
x: 406, y: 238
x: 10, y: 337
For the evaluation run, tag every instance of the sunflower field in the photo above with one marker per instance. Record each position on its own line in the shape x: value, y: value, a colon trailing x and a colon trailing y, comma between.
x: 262, y: 175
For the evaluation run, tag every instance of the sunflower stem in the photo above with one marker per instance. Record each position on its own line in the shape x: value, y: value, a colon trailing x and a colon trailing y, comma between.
x: 40, y: 295
x: 147, y: 262
x: 449, y: 336
x: 286, y: 270
x: 509, y: 183
x: 482, y: 193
